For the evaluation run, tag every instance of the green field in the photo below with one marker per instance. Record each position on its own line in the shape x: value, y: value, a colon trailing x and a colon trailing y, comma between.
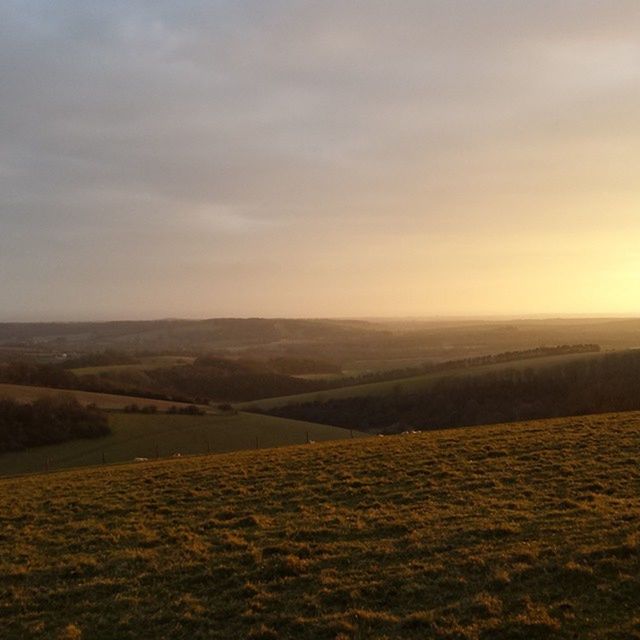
x: 149, y: 436
x: 145, y: 364
x: 525, y: 531
x: 412, y: 384
x: 25, y: 393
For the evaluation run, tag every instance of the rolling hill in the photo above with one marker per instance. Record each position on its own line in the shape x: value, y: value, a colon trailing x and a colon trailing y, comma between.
x: 145, y: 364
x: 413, y: 383
x: 357, y: 346
x: 182, y: 334
x: 512, y: 531
x: 519, y: 391
x: 27, y: 393
x: 162, y: 435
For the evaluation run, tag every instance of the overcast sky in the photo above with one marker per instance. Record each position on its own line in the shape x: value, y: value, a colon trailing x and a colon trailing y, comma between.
x: 327, y: 158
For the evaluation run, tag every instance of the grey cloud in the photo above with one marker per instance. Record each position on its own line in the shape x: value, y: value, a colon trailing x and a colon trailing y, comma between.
x: 125, y: 120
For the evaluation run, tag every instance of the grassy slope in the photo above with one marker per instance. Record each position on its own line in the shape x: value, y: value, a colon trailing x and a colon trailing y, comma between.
x: 136, y: 435
x: 103, y: 400
x: 516, y: 531
x: 414, y: 383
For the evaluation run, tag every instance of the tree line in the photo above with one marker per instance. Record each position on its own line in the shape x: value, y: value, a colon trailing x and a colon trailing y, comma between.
x: 48, y: 421
x: 475, y: 361
x: 602, y: 384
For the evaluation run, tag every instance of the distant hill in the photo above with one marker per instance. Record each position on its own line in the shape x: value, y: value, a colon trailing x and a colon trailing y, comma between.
x: 354, y: 346
x: 185, y: 334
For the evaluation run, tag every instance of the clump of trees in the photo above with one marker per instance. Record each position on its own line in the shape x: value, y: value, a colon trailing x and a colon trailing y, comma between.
x: 48, y: 421
x: 39, y: 375
x: 136, y: 408
x: 189, y: 410
x: 226, y: 407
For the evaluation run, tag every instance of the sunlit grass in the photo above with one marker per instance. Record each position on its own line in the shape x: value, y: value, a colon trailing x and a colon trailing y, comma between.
x: 514, y: 531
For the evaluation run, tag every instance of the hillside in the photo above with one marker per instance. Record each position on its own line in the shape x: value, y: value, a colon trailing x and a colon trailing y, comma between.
x: 181, y: 334
x: 162, y: 435
x: 526, y: 390
x: 414, y: 383
x: 145, y: 364
x: 514, y: 531
x: 28, y: 393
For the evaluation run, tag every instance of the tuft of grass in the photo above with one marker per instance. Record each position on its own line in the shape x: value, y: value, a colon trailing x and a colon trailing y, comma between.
x: 70, y: 632
x: 420, y: 536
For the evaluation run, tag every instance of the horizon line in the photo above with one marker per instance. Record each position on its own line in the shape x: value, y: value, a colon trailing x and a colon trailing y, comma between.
x: 366, y: 318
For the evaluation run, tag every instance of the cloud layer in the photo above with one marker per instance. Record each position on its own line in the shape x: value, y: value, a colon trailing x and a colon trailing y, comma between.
x: 318, y: 158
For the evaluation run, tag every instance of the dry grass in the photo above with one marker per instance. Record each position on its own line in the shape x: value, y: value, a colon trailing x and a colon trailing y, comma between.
x: 516, y: 531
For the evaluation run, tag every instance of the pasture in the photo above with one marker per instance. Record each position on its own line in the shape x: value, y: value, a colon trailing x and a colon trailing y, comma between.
x: 161, y: 435
x: 521, y: 531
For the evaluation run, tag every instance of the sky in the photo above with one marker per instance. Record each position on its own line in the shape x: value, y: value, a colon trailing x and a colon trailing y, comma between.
x: 177, y: 158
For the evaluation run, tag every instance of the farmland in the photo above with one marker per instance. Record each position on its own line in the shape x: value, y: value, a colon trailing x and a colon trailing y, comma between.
x: 27, y: 393
x: 150, y: 436
x: 511, y: 531
x: 145, y: 364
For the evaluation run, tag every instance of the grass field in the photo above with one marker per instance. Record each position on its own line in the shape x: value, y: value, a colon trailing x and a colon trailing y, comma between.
x: 412, y: 384
x: 149, y: 436
x: 26, y: 393
x: 145, y: 364
x: 527, y: 531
